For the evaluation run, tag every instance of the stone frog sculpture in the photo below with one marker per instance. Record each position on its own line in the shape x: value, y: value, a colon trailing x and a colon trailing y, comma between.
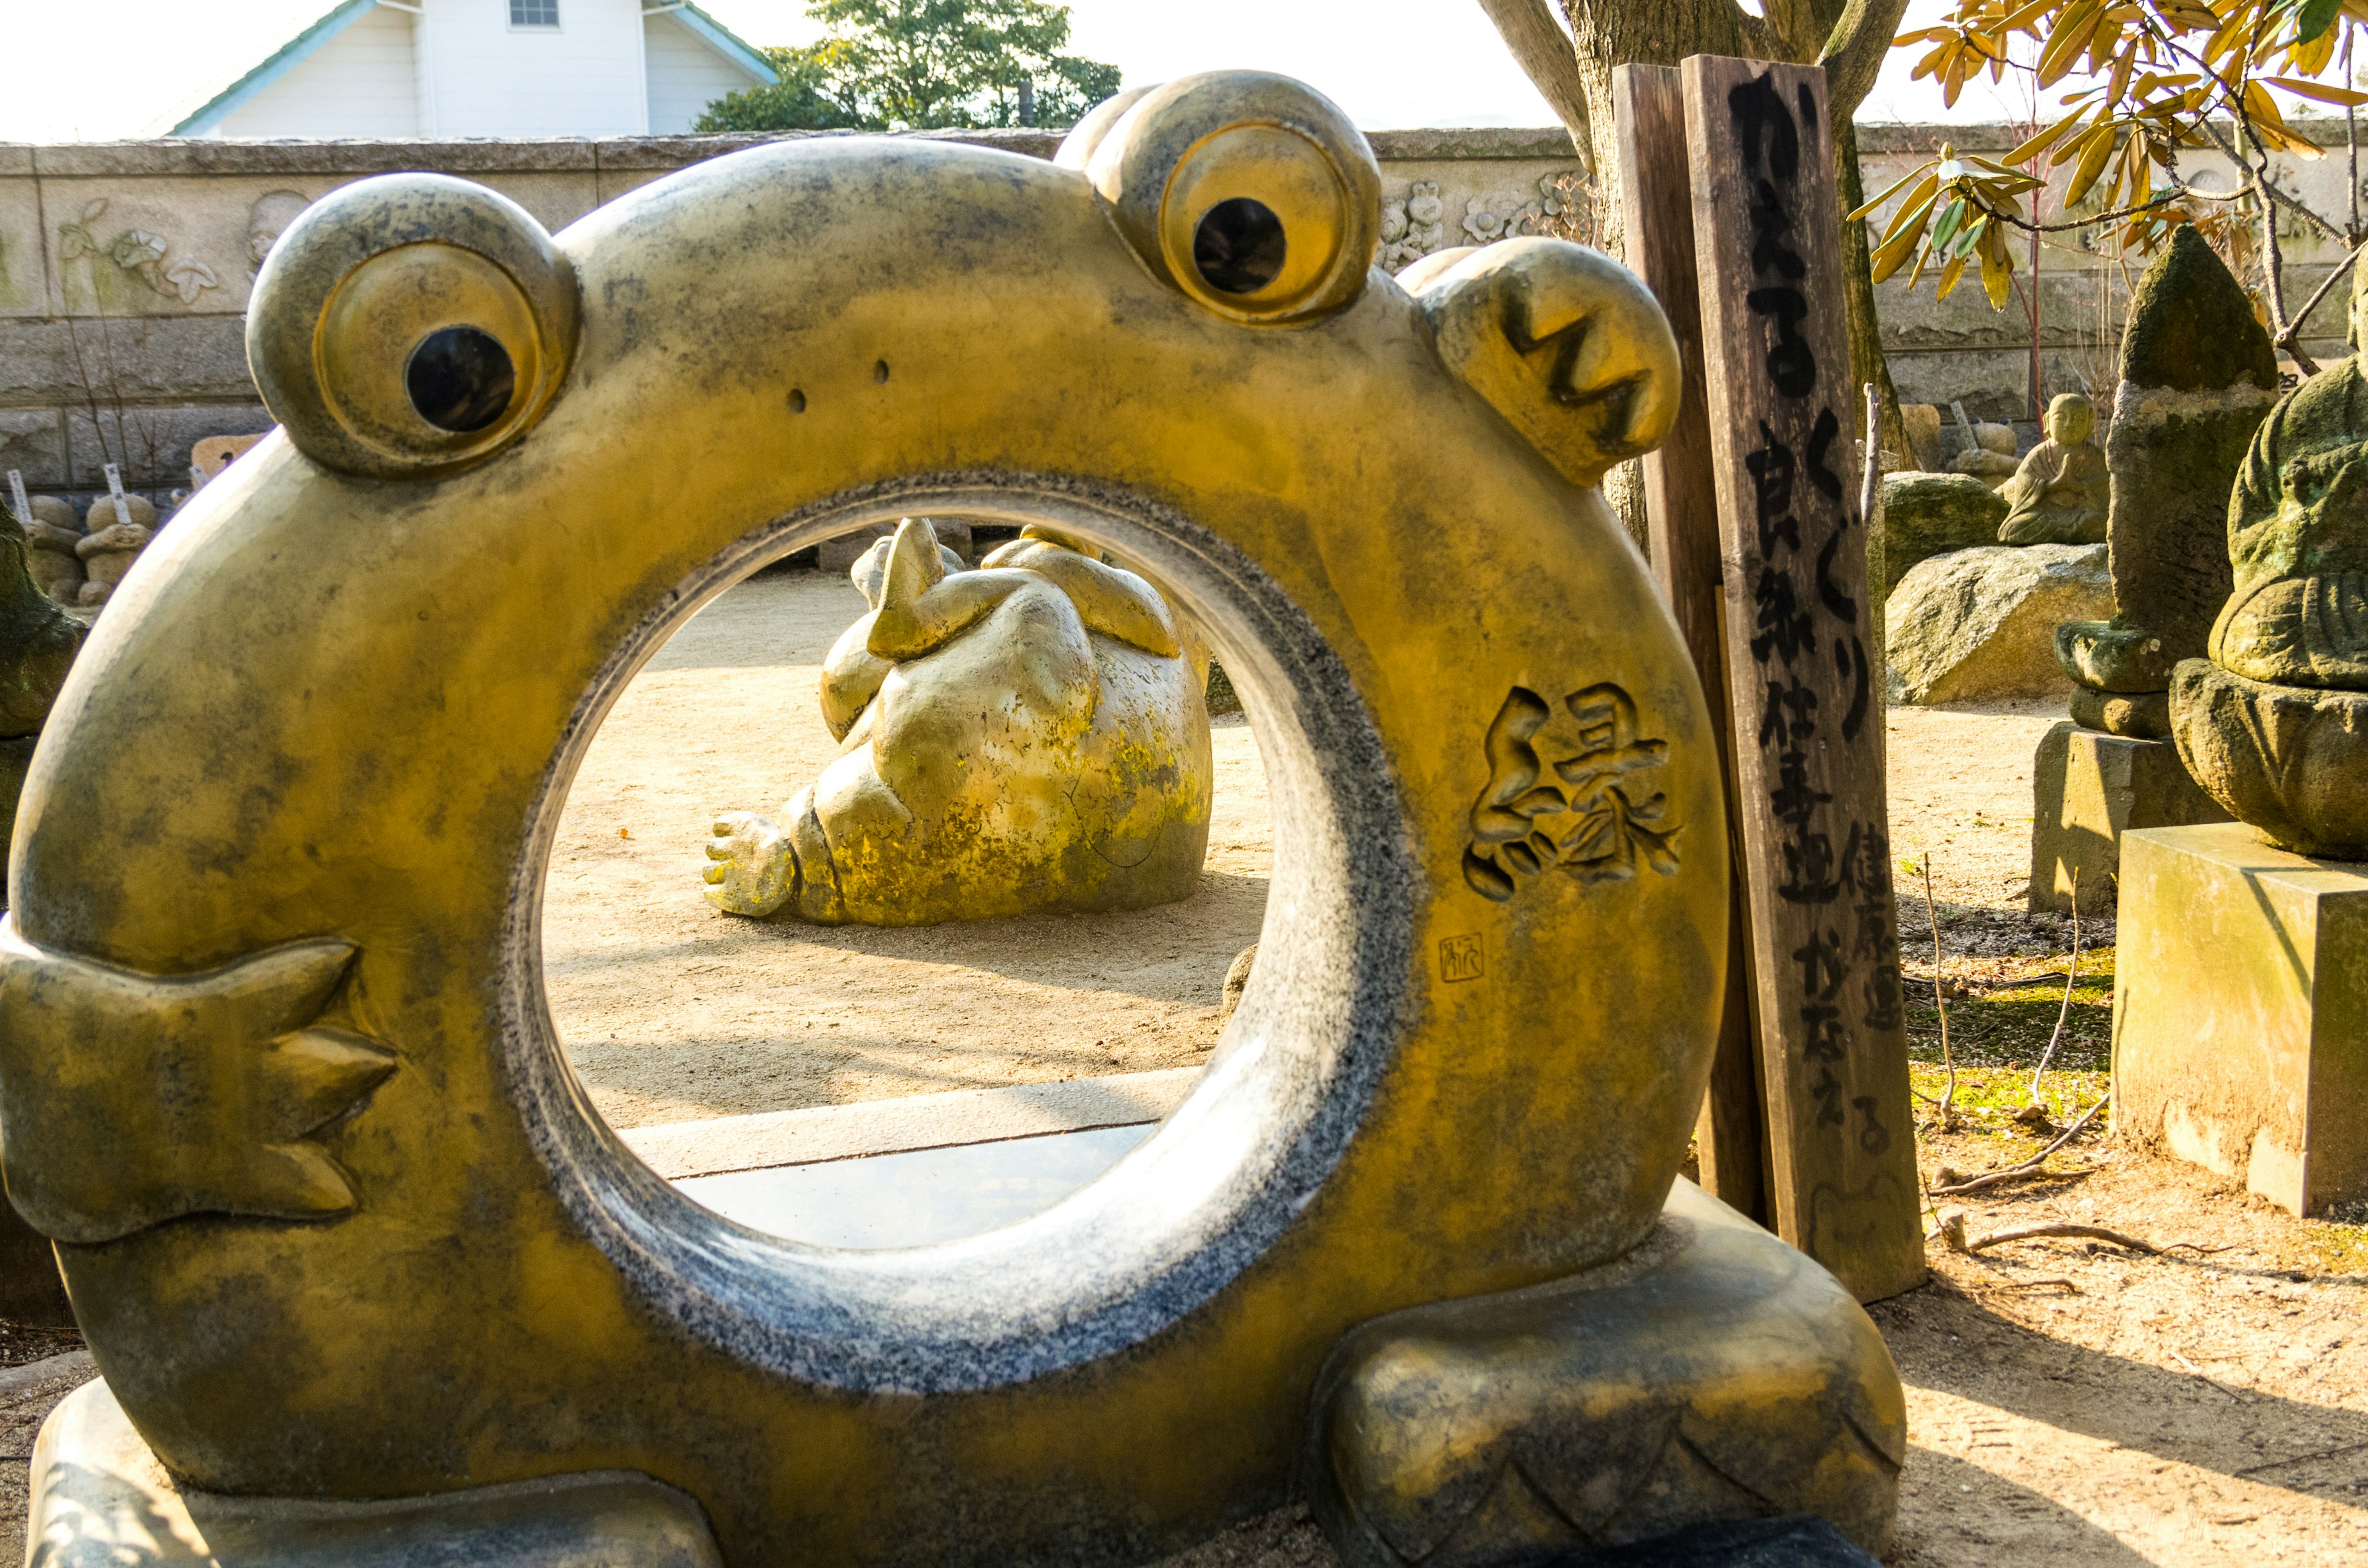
x: 1024, y: 738
x: 2274, y: 723
x: 2060, y: 493
x: 359, y: 1258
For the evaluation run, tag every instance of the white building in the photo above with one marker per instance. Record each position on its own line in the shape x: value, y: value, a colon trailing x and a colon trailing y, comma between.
x: 508, y: 68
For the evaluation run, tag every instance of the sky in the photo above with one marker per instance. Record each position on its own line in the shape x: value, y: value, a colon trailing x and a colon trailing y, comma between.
x: 98, y: 69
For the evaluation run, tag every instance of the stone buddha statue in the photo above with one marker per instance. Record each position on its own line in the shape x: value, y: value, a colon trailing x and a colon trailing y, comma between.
x: 2059, y: 494
x: 2275, y: 724
x: 2298, y: 536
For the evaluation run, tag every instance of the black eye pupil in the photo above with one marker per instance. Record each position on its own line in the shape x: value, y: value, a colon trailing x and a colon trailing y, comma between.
x: 459, y: 379
x: 1238, y: 246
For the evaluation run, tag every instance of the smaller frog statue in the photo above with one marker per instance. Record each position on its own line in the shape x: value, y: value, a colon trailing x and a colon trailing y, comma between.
x: 1026, y: 738
x: 2276, y: 723
x: 2059, y: 494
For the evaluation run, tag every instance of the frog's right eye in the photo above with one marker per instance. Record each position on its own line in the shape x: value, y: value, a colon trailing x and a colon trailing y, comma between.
x: 411, y: 324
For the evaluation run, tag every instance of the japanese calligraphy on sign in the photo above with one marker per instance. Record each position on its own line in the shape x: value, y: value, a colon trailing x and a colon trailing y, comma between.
x: 1808, y: 732
x: 1598, y: 821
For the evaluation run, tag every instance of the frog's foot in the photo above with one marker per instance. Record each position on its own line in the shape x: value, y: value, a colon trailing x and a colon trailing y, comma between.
x: 1713, y: 1373
x: 752, y: 869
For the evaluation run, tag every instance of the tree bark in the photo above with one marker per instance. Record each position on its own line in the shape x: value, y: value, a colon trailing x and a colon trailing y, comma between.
x: 1543, y: 53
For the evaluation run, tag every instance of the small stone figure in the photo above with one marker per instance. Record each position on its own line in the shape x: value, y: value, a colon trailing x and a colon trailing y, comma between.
x: 50, y: 535
x: 2275, y: 724
x: 38, y: 643
x: 1026, y: 738
x: 113, y: 542
x: 2060, y: 492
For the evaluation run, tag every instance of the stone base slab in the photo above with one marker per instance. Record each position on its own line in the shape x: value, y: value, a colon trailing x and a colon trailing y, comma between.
x: 2088, y: 789
x: 2240, y: 1011
x: 98, y: 1496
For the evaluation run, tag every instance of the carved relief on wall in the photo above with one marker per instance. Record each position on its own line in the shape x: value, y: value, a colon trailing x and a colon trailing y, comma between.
x: 1598, y: 825
x: 1416, y: 224
x: 271, y: 213
x: 138, y: 254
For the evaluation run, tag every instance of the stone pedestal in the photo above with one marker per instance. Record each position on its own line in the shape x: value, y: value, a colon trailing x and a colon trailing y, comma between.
x: 2240, y: 1011
x: 2087, y: 790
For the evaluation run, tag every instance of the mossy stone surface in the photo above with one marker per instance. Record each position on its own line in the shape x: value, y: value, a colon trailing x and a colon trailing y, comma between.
x: 2191, y: 328
x: 1925, y: 514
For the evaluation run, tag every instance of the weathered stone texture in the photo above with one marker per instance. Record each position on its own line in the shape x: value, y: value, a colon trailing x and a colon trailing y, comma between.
x: 2241, y: 998
x: 1982, y: 623
x: 2290, y: 760
x: 1925, y: 514
x: 2087, y: 790
x: 2173, y: 456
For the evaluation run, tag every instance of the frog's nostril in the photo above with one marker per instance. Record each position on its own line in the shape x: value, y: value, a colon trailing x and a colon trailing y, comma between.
x: 1239, y: 246
x: 459, y: 379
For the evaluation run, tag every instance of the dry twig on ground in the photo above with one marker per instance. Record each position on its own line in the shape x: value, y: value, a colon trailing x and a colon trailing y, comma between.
x: 2030, y: 1167
x: 1952, y: 1230
x: 2063, y: 1014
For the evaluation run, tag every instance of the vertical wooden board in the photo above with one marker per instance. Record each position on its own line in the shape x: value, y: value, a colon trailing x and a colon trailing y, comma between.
x: 1809, y: 717
x: 1682, y: 511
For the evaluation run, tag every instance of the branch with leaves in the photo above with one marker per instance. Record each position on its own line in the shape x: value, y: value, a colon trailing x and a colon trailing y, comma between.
x: 2146, y: 78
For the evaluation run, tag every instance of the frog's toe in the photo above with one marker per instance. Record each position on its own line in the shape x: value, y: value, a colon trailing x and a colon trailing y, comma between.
x: 1569, y: 346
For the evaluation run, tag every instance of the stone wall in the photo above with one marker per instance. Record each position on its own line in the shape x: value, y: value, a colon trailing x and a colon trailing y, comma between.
x: 125, y: 266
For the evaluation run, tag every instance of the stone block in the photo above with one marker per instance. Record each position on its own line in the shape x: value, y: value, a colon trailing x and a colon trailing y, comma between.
x: 1981, y: 622
x: 145, y: 359
x: 33, y: 439
x: 2240, y: 1011
x: 23, y: 291
x: 838, y: 556
x: 2087, y: 790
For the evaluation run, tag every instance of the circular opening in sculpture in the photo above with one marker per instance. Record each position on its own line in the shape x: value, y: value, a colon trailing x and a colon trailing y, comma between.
x: 459, y: 379
x: 1136, y: 1159
x: 1238, y: 246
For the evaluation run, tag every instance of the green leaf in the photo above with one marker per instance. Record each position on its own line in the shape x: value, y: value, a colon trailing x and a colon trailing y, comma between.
x: 2317, y: 16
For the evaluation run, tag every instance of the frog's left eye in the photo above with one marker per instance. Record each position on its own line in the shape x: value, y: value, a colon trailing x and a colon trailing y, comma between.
x: 1252, y: 193
x: 411, y: 324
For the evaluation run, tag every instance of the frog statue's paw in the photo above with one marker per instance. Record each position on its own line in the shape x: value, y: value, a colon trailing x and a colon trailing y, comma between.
x: 752, y: 870
x: 1569, y: 346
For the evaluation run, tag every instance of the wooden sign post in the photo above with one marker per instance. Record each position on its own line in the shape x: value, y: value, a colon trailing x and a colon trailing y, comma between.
x: 1808, y: 716
x: 1681, y: 509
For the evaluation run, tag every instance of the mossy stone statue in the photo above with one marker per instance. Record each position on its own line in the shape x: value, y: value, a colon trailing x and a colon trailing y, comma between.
x: 2275, y: 724
x: 2198, y: 375
x: 2058, y: 495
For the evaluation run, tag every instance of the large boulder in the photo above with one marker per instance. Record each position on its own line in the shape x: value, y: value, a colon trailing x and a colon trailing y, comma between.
x: 1925, y: 514
x: 1981, y: 622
